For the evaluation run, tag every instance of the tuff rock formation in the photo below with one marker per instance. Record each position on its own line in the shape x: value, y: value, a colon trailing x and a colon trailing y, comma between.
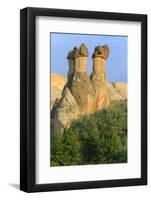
x: 78, y: 80
x: 98, y: 76
x: 82, y: 94
x: 57, y: 83
x: 116, y: 91
x: 64, y: 110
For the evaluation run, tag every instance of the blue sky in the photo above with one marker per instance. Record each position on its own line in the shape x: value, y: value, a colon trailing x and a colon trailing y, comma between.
x: 116, y: 66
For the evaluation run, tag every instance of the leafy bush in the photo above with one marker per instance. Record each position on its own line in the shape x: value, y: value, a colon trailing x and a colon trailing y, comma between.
x: 93, y: 139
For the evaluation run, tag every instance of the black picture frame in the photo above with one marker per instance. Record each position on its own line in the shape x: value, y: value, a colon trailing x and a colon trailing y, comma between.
x: 28, y: 98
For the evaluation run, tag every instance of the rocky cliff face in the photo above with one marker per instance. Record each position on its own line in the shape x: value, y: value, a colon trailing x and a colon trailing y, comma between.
x: 80, y: 94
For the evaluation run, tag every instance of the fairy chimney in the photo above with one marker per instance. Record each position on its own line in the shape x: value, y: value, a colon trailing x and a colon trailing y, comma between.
x: 82, y: 94
x: 98, y: 76
x: 71, y: 62
x: 81, y: 57
x: 77, y: 59
x: 78, y: 80
x: 99, y: 57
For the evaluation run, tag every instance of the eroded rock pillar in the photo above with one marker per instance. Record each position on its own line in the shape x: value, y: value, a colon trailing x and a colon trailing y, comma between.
x: 80, y: 85
x: 98, y: 76
x: 71, y: 62
x: 99, y: 57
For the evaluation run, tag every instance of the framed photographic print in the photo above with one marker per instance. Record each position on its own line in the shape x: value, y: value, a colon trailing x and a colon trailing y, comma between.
x: 83, y: 99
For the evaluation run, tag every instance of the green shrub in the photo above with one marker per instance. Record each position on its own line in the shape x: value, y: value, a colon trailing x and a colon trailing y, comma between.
x: 94, y: 139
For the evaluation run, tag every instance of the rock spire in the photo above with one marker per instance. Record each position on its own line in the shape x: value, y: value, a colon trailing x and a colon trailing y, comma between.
x: 82, y: 94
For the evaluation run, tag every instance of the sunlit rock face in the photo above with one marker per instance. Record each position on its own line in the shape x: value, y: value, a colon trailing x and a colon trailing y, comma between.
x: 57, y: 83
x: 117, y: 91
x: 98, y: 77
x: 81, y: 94
x: 65, y: 110
x: 79, y: 82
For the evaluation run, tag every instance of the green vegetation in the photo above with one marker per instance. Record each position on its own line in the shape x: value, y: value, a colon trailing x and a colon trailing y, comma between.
x: 98, y: 138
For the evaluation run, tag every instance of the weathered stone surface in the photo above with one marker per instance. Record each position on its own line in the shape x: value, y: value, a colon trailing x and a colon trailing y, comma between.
x: 78, y: 80
x: 57, y: 83
x: 77, y: 60
x: 121, y: 88
x: 99, y: 56
x: 98, y: 77
x: 64, y: 110
x: 82, y: 94
x: 117, y: 91
x: 101, y: 51
x: 82, y: 51
x: 82, y: 91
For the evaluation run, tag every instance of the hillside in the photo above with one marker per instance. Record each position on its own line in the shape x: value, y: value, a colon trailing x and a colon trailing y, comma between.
x: 57, y: 83
x: 117, y: 91
x: 98, y: 138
